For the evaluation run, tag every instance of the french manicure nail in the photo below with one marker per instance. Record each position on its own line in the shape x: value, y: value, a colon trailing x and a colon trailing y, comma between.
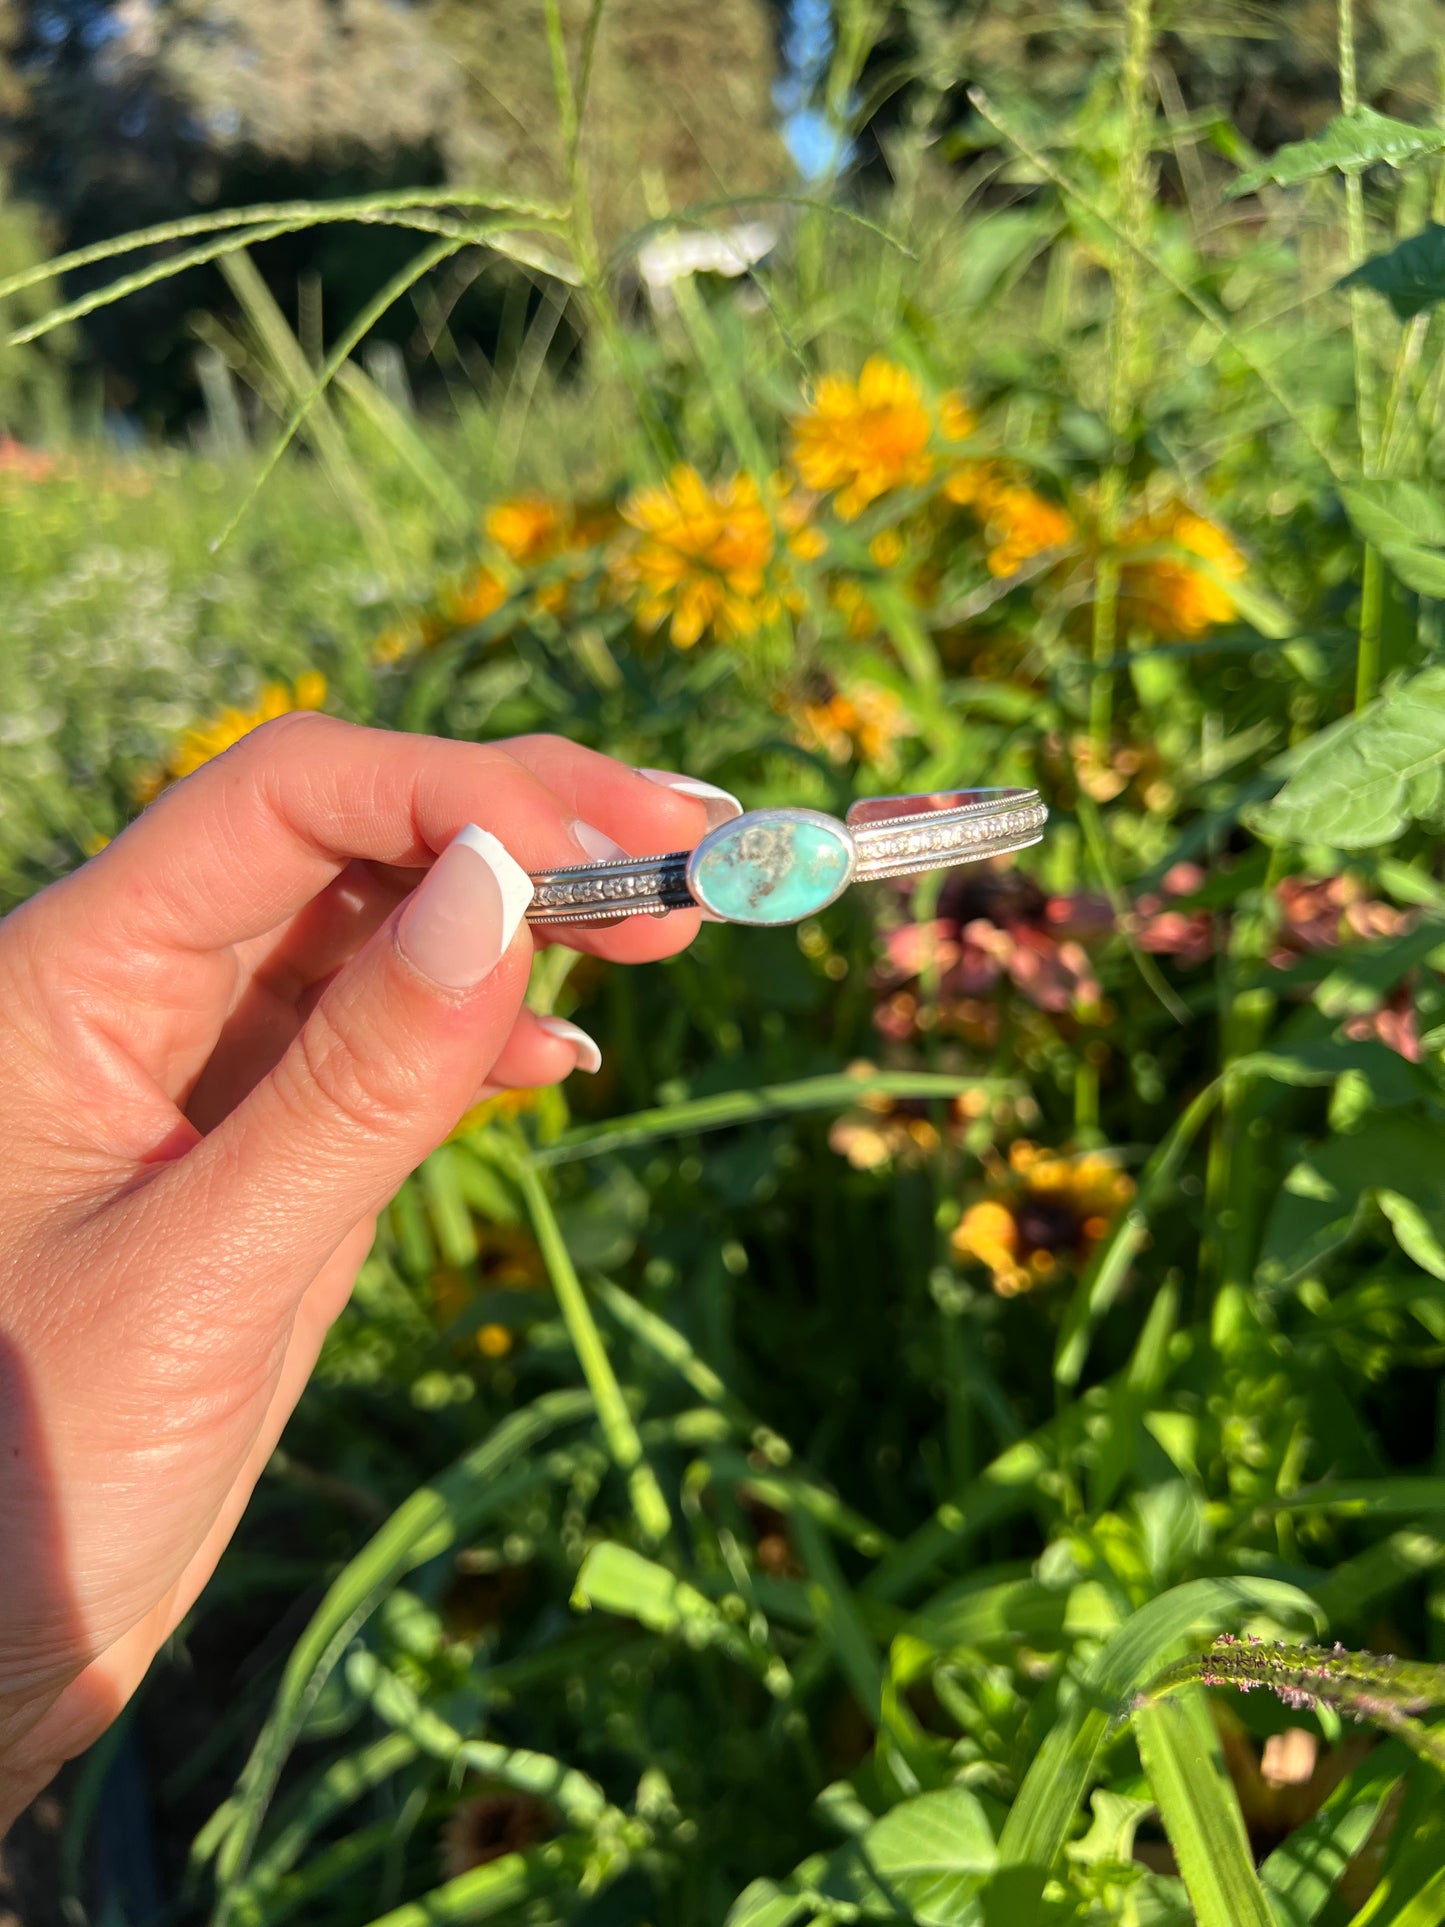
x: 721, y: 805
x: 465, y: 912
x: 589, y: 1057
x: 596, y: 843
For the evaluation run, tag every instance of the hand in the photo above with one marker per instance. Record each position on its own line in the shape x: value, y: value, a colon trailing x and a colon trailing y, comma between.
x: 226, y: 1040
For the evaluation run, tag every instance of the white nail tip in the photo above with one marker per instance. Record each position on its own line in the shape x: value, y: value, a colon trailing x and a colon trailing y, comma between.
x: 512, y: 880
x: 694, y: 786
x: 596, y: 843
x: 589, y: 1057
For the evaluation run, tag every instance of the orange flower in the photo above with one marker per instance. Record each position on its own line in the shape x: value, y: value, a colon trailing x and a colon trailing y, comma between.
x: 1169, y: 594
x: 863, y: 438
x: 701, y: 560
x: 862, y: 721
x: 472, y: 601
x: 1018, y: 523
x: 205, y: 740
x: 528, y: 528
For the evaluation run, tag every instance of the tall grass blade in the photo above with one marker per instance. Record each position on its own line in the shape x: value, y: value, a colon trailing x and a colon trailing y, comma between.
x: 648, y: 1504
x: 351, y: 338
x: 697, y: 1114
x: 426, y: 1524
x: 1054, y: 1786
x: 1200, y: 1811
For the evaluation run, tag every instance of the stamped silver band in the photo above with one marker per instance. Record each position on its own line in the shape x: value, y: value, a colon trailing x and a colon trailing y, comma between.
x: 772, y: 861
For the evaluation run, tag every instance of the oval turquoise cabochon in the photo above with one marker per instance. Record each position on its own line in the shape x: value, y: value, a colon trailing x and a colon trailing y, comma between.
x: 766, y: 867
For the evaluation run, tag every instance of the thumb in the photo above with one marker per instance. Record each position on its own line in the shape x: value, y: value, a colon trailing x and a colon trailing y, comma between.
x: 379, y: 1073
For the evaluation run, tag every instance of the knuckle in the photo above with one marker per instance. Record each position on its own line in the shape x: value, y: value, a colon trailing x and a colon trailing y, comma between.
x: 359, y: 1090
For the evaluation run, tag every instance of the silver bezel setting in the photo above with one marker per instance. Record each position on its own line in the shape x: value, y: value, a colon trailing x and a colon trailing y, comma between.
x: 760, y: 819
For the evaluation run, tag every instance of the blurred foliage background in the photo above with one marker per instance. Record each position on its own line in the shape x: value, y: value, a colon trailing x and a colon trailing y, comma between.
x: 844, y: 1461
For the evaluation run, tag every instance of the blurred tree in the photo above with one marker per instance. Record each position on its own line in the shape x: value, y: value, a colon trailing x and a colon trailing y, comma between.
x: 125, y: 112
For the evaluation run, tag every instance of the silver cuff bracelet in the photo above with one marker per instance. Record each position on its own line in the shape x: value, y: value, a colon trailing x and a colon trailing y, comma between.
x: 778, y: 866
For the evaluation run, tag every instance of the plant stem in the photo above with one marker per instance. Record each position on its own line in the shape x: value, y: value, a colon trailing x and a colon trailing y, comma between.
x: 1134, y: 194
x: 1372, y: 622
x: 648, y: 1505
x: 1372, y: 587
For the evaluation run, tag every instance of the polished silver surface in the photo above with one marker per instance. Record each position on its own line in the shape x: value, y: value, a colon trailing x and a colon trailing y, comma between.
x: 893, y: 835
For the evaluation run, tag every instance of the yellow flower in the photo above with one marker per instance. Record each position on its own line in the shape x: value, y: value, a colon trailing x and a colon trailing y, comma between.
x: 1168, y: 594
x: 863, y: 438
x: 886, y: 548
x: 494, y: 1341
x: 863, y: 721
x: 988, y: 1235
x: 205, y: 740
x: 527, y: 529
x: 700, y: 558
x: 472, y: 601
x: 955, y: 418
x: 1047, y: 1210
x: 1018, y: 522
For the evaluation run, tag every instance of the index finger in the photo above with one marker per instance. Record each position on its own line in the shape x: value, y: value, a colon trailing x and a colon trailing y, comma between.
x: 252, y: 837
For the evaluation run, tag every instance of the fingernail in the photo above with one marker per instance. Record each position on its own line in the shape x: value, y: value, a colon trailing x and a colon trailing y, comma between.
x: 589, y: 1057
x: 465, y: 911
x: 722, y: 805
x: 596, y: 843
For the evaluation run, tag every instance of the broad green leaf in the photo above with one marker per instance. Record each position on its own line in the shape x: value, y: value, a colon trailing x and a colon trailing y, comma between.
x: 1200, y: 1810
x: 932, y: 1854
x: 1360, y: 784
x: 1406, y: 523
x: 1411, y: 276
x: 1055, y: 1784
x: 925, y: 1861
x: 1394, y: 1159
x: 1350, y: 143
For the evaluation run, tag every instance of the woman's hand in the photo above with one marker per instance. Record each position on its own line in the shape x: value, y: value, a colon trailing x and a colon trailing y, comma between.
x: 225, y: 1041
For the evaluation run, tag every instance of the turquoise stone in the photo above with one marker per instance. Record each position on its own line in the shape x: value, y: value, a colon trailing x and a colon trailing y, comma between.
x: 766, y: 868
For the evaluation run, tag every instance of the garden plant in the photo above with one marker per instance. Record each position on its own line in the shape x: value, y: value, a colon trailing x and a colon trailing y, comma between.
x: 945, y: 1426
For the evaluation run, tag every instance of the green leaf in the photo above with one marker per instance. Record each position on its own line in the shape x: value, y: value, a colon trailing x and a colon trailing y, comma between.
x: 833, y: 1092
x: 1350, y: 143
x: 427, y: 1523
x: 1042, y: 1815
x: 1358, y: 785
x: 1002, y: 1613
x: 932, y: 1853
x: 1406, y: 523
x: 1394, y: 1159
x: 1411, y: 276
x: 501, y: 1884
x: 615, y: 1579
x: 764, y: 1904
x: 1111, y: 1837
x: 1303, y: 1871
x: 1200, y: 1811
x: 926, y: 1861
